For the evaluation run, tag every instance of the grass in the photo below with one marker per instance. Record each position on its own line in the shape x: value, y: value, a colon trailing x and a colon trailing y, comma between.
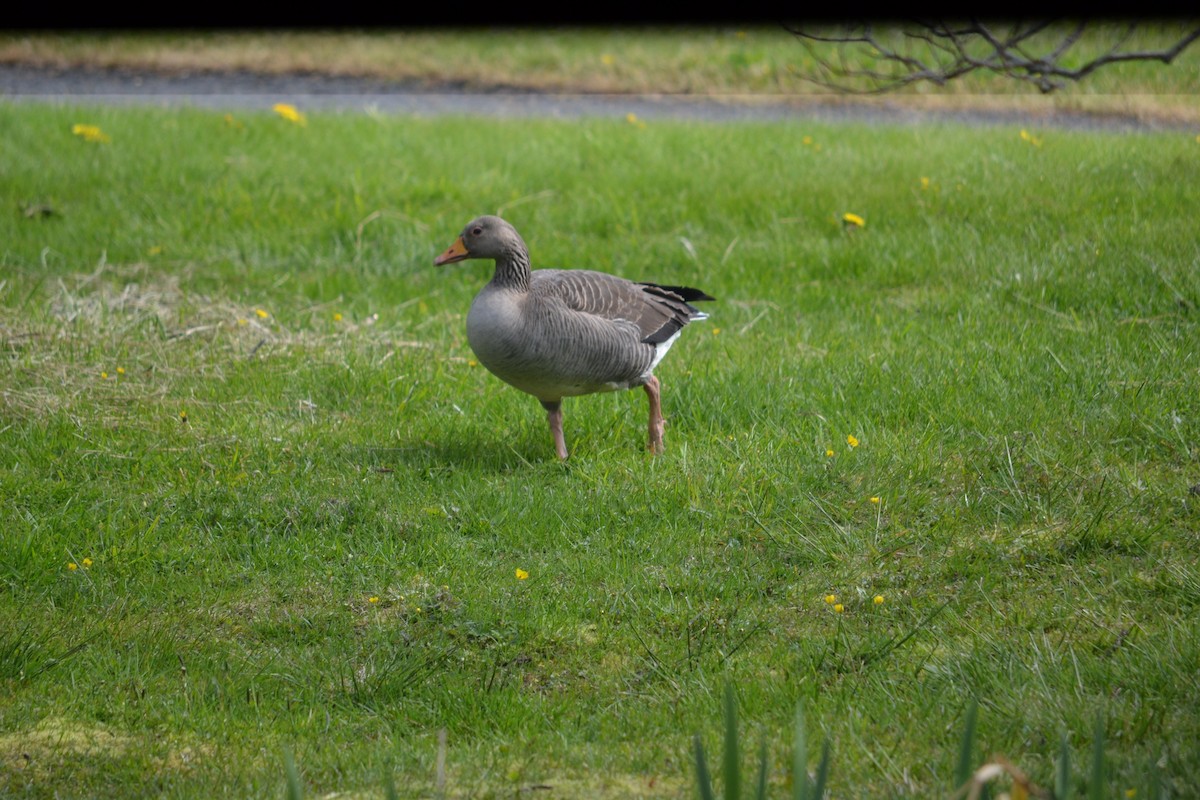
x: 746, y: 62
x: 296, y: 532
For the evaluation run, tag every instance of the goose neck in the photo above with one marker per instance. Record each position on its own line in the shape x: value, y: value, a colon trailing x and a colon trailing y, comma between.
x: 512, y: 268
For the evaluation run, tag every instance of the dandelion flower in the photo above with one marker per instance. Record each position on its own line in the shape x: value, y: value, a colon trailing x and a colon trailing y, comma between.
x: 373, y: 600
x: 924, y: 182
x: 828, y: 453
x: 183, y: 416
x: 632, y: 119
x: 831, y: 599
x: 716, y: 331
x: 521, y: 574
x: 337, y: 317
x: 875, y: 500
x: 104, y: 376
x: 607, y: 60
x: 853, y: 219
x: 71, y: 565
x: 1028, y: 137
x: 838, y: 607
x: 90, y: 133
x: 289, y: 113
x: 87, y: 562
x: 472, y: 362
x: 806, y: 140
x: 852, y: 441
x: 261, y: 314
x: 877, y: 600
x: 120, y: 370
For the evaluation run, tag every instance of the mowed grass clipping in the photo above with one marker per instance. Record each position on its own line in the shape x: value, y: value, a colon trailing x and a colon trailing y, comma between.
x: 259, y: 499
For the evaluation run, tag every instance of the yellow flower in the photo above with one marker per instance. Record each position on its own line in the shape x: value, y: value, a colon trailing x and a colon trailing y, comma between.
x: 853, y: 219
x: 632, y: 119
x: 87, y: 562
x: 472, y: 362
x: 1028, y: 137
x: 715, y: 331
x: 243, y: 321
x: 924, y: 182
x: 261, y: 314
x: 71, y: 565
x: 104, y: 376
x: 337, y: 317
x: 829, y: 453
x: 838, y: 607
x: 878, y: 600
x: 831, y: 599
x: 90, y: 133
x: 521, y: 574
x: 875, y: 500
x: 183, y: 416
x: 850, y: 440
x: 373, y: 600
x: 233, y: 121
x: 1131, y: 792
x: 607, y: 60
x: 289, y: 113
x: 120, y: 370
x: 155, y: 250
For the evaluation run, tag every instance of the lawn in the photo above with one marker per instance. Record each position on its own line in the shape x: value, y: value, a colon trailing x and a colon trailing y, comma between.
x: 260, y: 500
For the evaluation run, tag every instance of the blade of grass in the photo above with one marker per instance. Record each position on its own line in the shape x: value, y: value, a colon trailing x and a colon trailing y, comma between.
x: 1096, y: 783
x: 800, y: 759
x: 703, y: 779
x: 760, y: 791
x: 962, y: 772
x: 294, y: 789
x: 818, y: 789
x: 730, y: 766
x: 1062, y: 775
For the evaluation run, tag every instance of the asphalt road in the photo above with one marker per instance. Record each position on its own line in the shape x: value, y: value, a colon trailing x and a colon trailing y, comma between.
x: 312, y: 92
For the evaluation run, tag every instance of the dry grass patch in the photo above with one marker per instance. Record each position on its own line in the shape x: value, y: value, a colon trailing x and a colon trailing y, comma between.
x: 42, y: 754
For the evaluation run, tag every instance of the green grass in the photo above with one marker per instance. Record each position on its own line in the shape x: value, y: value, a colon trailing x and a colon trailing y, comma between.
x: 1013, y: 345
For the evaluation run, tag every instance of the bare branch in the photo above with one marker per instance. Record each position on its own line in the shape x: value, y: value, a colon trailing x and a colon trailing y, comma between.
x: 860, y: 60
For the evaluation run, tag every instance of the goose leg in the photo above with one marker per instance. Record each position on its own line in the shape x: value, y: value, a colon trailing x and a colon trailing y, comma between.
x: 554, y: 417
x: 652, y: 387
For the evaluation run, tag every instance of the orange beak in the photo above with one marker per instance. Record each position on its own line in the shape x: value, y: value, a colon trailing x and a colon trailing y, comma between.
x: 456, y: 252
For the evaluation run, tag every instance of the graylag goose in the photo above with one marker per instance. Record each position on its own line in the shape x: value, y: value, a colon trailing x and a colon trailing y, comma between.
x: 560, y: 333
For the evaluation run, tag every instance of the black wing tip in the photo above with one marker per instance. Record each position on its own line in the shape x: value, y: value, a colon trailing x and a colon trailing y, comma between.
x: 685, y: 293
x: 672, y: 327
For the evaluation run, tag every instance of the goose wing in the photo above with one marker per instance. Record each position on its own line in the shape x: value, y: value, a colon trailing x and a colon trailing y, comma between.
x: 659, y: 312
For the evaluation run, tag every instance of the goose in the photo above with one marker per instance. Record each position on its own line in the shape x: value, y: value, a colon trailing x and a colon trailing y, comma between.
x: 556, y: 333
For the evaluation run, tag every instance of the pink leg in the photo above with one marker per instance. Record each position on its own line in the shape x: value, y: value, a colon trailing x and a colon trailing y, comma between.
x: 554, y: 417
x: 656, y: 418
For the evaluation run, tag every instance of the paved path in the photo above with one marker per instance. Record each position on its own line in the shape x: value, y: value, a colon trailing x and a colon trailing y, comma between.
x: 310, y: 92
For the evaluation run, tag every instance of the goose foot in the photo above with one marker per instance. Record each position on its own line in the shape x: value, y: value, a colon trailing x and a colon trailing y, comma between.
x: 554, y: 417
x: 653, y: 394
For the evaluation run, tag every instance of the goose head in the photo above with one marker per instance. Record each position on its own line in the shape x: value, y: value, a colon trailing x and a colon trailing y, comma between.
x: 484, y: 237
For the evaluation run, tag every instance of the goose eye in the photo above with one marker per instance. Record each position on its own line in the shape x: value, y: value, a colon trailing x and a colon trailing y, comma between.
x: 476, y: 231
